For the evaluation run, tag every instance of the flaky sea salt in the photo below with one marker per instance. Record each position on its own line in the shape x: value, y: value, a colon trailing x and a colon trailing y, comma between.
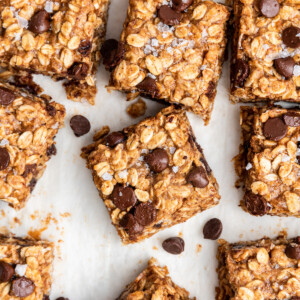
x: 204, y: 33
x: 4, y: 142
x: 49, y: 7
x: 296, y: 70
x: 175, y: 169
x: 203, y: 67
x: 107, y: 176
x: 172, y: 150
x: 286, y: 158
x: 151, y: 75
x: 23, y: 23
x: 249, y: 166
x: 123, y: 174
x: 20, y: 269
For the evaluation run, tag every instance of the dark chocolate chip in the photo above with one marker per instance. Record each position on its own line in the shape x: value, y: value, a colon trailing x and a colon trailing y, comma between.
x: 211, y: 90
x: 212, y: 229
x: 46, y: 297
x: 241, y: 72
x: 293, y: 251
x: 173, y: 245
x: 114, y: 138
x: 6, y: 96
x: 123, y: 197
x: 295, y: 298
x: 26, y: 82
x: 181, y: 5
x: 131, y: 225
x: 292, y: 119
x: 30, y: 169
x: 158, y: 160
x: 206, y: 165
x: 269, y: 8
x: 40, y: 22
x: 62, y: 298
x: 51, y: 110
x: 51, y: 150
x: 149, y: 87
x: 285, y: 66
x: 80, y: 125
x: 197, y: 177
x: 291, y: 36
x: 145, y: 213
x: 6, y: 272
x: 274, y: 129
x: 32, y: 184
x: 255, y: 204
x: 112, y: 52
x: 85, y: 47
x: 22, y: 287
x: 78, y: 70
x: 4, y: 158
x: 169, y: 16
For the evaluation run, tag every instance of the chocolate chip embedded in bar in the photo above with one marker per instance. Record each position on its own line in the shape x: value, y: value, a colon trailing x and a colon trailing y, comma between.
x: 173, y: 54
x: 265, y: 62
x: 263, y: 269
x: 154, y: 283
x: 269, y: 165
x: 151, y: 175
x: 25, y: 268
x: 29, y: 125
x: 61, y: 39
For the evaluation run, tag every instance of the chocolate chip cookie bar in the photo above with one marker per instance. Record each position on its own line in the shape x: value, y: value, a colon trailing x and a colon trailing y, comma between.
x: 152, y: 175
x: 28, y: 125
x: 154, y: 283
x: 25, y: 268
x: 265, y: 61
x: 171, y: 51
x: 60, y: 38
x: 264, y: 269
x: 269, y: 161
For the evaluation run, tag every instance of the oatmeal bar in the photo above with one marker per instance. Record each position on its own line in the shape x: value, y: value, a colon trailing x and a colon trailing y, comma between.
x: 152, y: 175
x: 60, y: 38
x: 154, y: 283
x: 268, y: 163
x: 172, y: 51
x: 264, y: 269
x: 265, y: 61
x: 28, y: 125
x: 25, y: 268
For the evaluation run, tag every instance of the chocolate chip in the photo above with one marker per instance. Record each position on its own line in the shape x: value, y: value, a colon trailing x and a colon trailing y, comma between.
x: 241, y: 72
x: 80, y: 125
x: 6, y: 96
x: 206, y: 165
x: 32, y: 184
x: 131, y: 225
x: 51, y: 110
x: 149, y: 87
x: 40, y: 22
x: 145, y: 213
x: 114, y: 138
x: 169, y: 16
x: 78, y: 70
x: 123, y: 197
x: 112, y: 52
x: 30, y: 169
x: 158, y: 160
x: 85, y: 47
x: 181, y: 5
x: 173, y: 245
x: 255, y: 204
x: 293, y: 251
x: 295, y: 298
x: 292, y: 119
x: 274, y: 129
x: 211, y: 90
x: 46, y: 297
x: 51, y: 150
x: 212, y: 229
x: 22, y: 287
x: 285, y: 66
x: 62, y: 298
x: 269, y: 8
x: 197, y: 177
x: 291, y: 37
x: 4, y: 158
x: 6, y: 272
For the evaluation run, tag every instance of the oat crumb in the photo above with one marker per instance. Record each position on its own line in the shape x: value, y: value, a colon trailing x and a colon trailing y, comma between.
x: 137, y: 109
x: 198, y: 248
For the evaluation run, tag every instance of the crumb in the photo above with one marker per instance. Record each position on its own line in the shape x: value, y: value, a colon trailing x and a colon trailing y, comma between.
x: 252, y: 230
x: 17, y: 221
x: 198, y: 248
x: 101, y: 133
x: 137, y: 109
x: 65, y: 215
x: 180, y: 234
x: 3, y: 213
x: 4, y: 230
x: 154, y: 248
x: 241, y: 235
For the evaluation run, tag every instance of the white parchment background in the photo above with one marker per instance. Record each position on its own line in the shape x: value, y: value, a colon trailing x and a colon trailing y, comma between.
x: 91, y: 263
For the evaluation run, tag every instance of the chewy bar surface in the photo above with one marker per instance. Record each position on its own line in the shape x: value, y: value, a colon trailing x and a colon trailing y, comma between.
x: 28, y: 125
x: 60, y: 38
x: 268, y: 163
x: 152, y: 175
x: 174, y: 55
x: 265, y: 60
x: 264, y: 269
x: 154, y: 283
x: 26, y: 268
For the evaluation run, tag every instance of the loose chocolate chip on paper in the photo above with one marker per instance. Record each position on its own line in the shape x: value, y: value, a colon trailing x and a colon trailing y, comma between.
x: 285, y: 66
x: 114, y: 138
x: 22, y: 287
x: 212, y: 229
x: 51, y: 150
x: 197, y: 177
x: 292, y: 119
x: 85, y: 47
x: 6, y: 96
x: 145, y: 213
x: 80, y: 125
x: 169, y: 16
x: 4, y: 158
x: 269, y: 8
x: 149, y: 87
x: 131, y: 225
x: 241, y: 72
x: 173, y: 245
x: 40, y: 22
x: 293, y: 251
x: 6, y: 272
x: 123, y: 197
x: 181, y: 5
x: 78, y: 70
x: 255, y: 204
x: 274, y: 129
x: 291, y: 36
x: 158, y: 160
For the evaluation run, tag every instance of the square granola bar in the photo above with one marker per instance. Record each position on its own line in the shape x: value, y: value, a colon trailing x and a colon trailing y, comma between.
x: 28, y: 125
x: 264, y: 269
x: 25, y: 268
x: 265, y: 60
x: 269, y: 161
x: 152, y: 175
x: 171, y: 51
x: 60, y: 38
x: 154, y: 283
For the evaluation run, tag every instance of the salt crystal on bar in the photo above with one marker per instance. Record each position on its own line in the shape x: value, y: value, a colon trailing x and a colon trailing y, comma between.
x: 23, y: 23
x: 123, y: 174
x: 107, y: 176
x: 175, y: 169
x: 20, y: 270
x: 151, y: 75
x: 296, y: 70
x: 286, y: 158
x: 172, y: 150
x: 204, y: 33
x: 49, y: 7
x: 203, y: 67
x: 4, y: 142
x: 249, y: 166
x: 154, y: 43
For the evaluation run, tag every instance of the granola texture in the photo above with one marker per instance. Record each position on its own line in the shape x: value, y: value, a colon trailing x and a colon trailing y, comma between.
x: 268, y: 163
x: 263, y: 269
x: 257, y: 46
x: 183, y: 61
x: 153, y: 176
x: 154, y: 283
x: 28, y: 128
x: 61, y: 39
x: 31, y: 260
